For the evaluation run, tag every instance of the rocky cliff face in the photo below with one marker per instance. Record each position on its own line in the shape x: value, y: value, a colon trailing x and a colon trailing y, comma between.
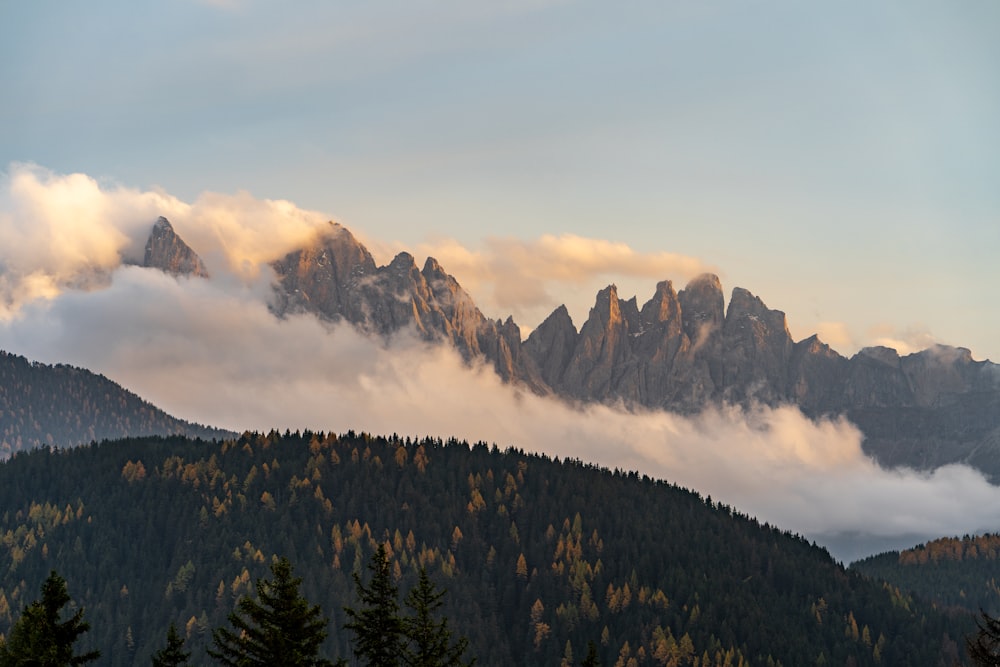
x: 165, y: 250
x: 336, y: 279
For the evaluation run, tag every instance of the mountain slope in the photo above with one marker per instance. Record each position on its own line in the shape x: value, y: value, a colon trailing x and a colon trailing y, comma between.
x: 63, y: 406
x: 538, y: 556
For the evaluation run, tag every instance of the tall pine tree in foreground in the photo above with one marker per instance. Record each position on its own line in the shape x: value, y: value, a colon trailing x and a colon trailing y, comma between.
x: 173, y: 654
x: 377, y: 626
x: 430, y: 639
x: 984, y: 649
x: 279, y: 627
x: 40, y: 639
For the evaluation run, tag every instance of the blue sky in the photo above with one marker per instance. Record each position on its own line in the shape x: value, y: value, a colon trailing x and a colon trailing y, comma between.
x: 842, y: 161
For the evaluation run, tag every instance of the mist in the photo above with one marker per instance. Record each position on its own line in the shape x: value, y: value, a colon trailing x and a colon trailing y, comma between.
x: 215, y: 354
x: 211, y: 351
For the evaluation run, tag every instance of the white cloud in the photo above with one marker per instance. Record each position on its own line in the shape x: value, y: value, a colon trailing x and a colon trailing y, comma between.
x: 905, y: 341
x: 60, y: 232
x: 212, y: 352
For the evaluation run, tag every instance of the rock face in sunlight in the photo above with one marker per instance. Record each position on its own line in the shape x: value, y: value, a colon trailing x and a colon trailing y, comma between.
x: 165, y: 250
x: 336, y: 279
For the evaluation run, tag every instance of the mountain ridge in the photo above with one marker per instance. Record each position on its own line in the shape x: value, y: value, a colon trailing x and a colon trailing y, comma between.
x: 63, y: 406
x: 679, y: 351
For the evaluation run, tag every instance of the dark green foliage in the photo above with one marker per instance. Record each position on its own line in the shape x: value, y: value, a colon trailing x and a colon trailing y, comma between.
x: 279, y: 627
x: 430, y: 639
x: 984, y: 648
x: 536, y: 554
x: 40, y: 638
x: 173, y: 654
x: 62, y: 406
x: 376, y: 624
x: 591, y: 660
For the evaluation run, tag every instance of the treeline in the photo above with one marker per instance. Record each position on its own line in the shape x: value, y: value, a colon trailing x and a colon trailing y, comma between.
x: 277, y: 626
x: 64, y: 406
x: 953, y: 572
x: 540, y: 557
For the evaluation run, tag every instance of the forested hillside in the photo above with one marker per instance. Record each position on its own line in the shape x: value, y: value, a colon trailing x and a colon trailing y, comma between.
x: 63, y: 406
x: 952, y: 572
x: 538, y: 556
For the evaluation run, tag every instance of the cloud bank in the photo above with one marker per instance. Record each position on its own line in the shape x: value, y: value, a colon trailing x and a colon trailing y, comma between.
x: 211, y: 351
x: 62, y: 232
x: 216, y: 354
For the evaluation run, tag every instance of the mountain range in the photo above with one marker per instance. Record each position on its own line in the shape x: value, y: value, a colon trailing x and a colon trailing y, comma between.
x: 679, y: 351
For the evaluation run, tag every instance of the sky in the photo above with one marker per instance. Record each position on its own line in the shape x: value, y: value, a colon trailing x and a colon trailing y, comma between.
x: 840, y: 161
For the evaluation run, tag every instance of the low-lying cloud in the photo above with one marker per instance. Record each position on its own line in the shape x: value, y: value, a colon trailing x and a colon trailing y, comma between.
x: 215, y: 354
x: 211, y: 351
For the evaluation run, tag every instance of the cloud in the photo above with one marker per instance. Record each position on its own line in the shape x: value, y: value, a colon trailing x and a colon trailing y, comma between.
x: 60, y: 232
x: 836, y: 335
x: 905, y: 341
x: 519, y: 277
x: 211, y: 351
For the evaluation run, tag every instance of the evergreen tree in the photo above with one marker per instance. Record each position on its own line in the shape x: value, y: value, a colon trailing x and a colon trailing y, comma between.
x: 279, y: 627
x: 377, y: 626
x: 173, y: 655
x: 39, y: 639
x: 430, y: 639
x: 591, y: 659
x: 984, y: 650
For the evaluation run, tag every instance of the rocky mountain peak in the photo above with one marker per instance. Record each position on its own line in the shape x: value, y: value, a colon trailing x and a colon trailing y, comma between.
x: 702, y: 304
x: 662, y: 307
x: 880, y: 353
x: 165, y: 250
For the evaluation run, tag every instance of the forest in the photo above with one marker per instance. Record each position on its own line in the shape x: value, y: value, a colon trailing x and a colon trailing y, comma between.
x: 953, y: 572
x: 539, y: 557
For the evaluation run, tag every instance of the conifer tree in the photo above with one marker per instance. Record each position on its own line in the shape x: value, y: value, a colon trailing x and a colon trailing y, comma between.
x: 591, y: 658
x: 430, y: 639
x: 173, y: 654
x: 377, y: 626
x: 40, y: 639
x: 984, y: 650
x: 279, y: 627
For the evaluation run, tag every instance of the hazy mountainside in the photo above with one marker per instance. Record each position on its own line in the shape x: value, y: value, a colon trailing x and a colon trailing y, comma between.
x: 678, y: 351
x: 953, y: 572
x: 538, y: 556
x: 63, y: 406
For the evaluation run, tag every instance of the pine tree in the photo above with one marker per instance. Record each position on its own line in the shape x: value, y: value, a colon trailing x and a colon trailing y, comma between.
x: 39, y: 639
x: 984, y: 650
x: 430, y: 639
x: 173, y: 655
x: 277, y: 628
x: 377, y: 626
x: 591, y: 659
